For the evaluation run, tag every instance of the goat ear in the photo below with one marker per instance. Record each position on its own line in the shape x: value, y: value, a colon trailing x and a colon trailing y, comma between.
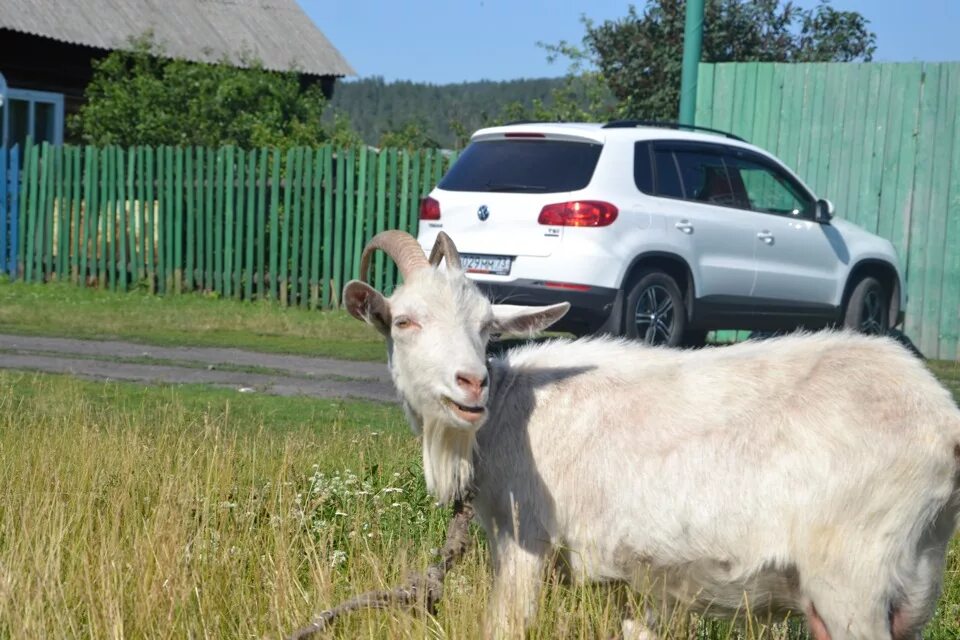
x: 365, y: 303
x: 508, y: 318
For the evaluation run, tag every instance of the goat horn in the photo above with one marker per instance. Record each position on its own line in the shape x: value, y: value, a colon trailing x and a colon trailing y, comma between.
x: 400, y: 246
x: 443, y: 247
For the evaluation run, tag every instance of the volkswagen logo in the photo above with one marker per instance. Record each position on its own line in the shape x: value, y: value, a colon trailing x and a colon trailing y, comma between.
x: 483, y: 212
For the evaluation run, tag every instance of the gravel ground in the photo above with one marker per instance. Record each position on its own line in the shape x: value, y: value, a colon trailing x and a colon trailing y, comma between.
x: 245, y: 371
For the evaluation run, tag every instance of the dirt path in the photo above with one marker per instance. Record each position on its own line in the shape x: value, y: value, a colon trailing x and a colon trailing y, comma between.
x: 245, y: 371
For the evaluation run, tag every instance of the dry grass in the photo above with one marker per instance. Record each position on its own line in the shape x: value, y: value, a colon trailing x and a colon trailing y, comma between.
x: 188, y: 512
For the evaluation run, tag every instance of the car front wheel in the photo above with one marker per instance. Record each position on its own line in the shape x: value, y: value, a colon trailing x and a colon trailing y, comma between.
x: 656, y: 314
x: 866, y: 310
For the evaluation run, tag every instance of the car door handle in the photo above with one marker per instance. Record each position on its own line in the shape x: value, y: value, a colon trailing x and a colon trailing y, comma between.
x: 765, y: 236
x: 684, y: 226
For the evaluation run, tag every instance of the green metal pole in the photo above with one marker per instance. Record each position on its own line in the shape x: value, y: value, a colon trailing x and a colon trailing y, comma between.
x: 692, y: 44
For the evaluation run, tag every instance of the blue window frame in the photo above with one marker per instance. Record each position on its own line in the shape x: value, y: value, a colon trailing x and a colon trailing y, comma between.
x: 35, y: 113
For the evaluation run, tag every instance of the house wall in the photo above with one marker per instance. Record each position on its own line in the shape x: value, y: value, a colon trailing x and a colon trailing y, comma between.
x: 44, y: 64
x: 37, y: 63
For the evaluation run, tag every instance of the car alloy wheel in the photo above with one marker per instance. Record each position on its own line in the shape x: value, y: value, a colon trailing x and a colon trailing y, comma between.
x: 655, y: 312
x: 866, y: 310
x: 654, y: 315
x: 871, y: 320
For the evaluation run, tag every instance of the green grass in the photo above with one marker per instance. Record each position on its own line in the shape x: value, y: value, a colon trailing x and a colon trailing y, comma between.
x: 64, y: 310
x: 187, y: 511
x: 948, y: 373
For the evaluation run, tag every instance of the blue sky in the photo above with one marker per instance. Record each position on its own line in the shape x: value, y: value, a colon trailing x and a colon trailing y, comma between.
x: 443, y: 41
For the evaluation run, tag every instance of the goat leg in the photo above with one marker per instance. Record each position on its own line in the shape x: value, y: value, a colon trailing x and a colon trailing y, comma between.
x: 424, y: 589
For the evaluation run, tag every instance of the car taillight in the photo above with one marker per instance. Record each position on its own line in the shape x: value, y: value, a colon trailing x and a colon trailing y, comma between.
x: 429, y: 209
x: 579, y: 213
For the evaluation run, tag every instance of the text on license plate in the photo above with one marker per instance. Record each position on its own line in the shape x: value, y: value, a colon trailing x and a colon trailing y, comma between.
x: 494, y: 265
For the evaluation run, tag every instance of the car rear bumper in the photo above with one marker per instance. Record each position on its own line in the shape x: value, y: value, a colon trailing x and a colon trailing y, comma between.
x: 591, y: 310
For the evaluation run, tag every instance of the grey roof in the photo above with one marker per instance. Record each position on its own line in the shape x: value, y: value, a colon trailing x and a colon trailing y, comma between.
x: 277, y: 32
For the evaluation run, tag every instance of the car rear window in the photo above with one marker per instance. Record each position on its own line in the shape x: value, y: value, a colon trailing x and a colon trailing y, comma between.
x: 523, y: 166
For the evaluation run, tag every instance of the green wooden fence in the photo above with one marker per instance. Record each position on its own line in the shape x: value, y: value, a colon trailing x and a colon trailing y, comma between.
x: 882, y: 141
x: 286, y: 225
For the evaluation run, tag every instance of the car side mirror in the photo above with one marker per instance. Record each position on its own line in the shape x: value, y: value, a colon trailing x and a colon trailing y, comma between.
x: 824, y: 211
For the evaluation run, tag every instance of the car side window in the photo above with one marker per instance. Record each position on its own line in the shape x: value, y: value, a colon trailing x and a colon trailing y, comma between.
x: 643, y: 167
x: 768, y: 188
x: 666, y: 173
x: 696, y: 172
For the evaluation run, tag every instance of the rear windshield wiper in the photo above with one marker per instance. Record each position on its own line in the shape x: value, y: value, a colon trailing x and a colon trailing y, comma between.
x: 513, y: 186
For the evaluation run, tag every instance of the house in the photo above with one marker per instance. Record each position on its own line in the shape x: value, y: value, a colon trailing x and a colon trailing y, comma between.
x: 47, y: 46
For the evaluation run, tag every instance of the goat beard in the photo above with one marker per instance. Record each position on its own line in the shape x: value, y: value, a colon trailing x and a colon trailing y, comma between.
x: 447, y: 460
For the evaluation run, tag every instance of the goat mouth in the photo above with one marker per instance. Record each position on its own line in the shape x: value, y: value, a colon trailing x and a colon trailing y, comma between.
x: 464, y: 412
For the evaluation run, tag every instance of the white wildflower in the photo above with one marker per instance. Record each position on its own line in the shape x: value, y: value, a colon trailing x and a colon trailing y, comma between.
x: 337, y: 558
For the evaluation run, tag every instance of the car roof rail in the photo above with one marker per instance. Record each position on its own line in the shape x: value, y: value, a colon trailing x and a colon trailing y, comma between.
x: 666, y: 124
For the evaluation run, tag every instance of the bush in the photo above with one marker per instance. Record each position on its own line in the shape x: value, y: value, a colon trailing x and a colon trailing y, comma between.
x: 138, y: 96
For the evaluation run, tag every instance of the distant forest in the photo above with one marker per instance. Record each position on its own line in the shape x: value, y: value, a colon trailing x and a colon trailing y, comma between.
x: 445, y: 113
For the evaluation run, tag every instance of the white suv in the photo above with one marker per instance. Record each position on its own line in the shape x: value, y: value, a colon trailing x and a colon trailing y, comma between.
x: 657, y: 233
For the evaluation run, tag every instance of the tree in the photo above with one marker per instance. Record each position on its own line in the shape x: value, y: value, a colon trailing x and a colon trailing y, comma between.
x: 138, y: 96
x: 639, y: 56
x: 582, y: 97
x: 411, y: 136
x: 446, y: 115
x: 342, y: 133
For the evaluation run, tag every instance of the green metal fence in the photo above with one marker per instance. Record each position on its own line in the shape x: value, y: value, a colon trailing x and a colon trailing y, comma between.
x: 882, y: 141
x: 287, y: 225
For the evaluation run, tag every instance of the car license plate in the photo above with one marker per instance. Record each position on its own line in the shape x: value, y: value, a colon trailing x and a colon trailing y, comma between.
x: 493, y: 265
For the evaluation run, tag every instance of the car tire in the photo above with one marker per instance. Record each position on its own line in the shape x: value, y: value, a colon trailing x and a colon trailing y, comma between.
x: 866, y: 310
x: 655, y: 313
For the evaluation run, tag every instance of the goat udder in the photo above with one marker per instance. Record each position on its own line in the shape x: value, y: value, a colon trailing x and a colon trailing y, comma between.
x: 817, y: 626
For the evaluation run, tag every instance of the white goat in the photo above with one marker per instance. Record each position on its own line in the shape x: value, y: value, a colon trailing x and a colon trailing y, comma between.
x: 814, y: 473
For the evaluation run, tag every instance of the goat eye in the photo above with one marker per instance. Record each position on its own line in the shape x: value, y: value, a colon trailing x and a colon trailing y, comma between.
x: 403, y: 322
x: 488, y: 328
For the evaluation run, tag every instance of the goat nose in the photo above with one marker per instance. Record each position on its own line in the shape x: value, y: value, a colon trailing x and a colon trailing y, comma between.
x: 472, y: 384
